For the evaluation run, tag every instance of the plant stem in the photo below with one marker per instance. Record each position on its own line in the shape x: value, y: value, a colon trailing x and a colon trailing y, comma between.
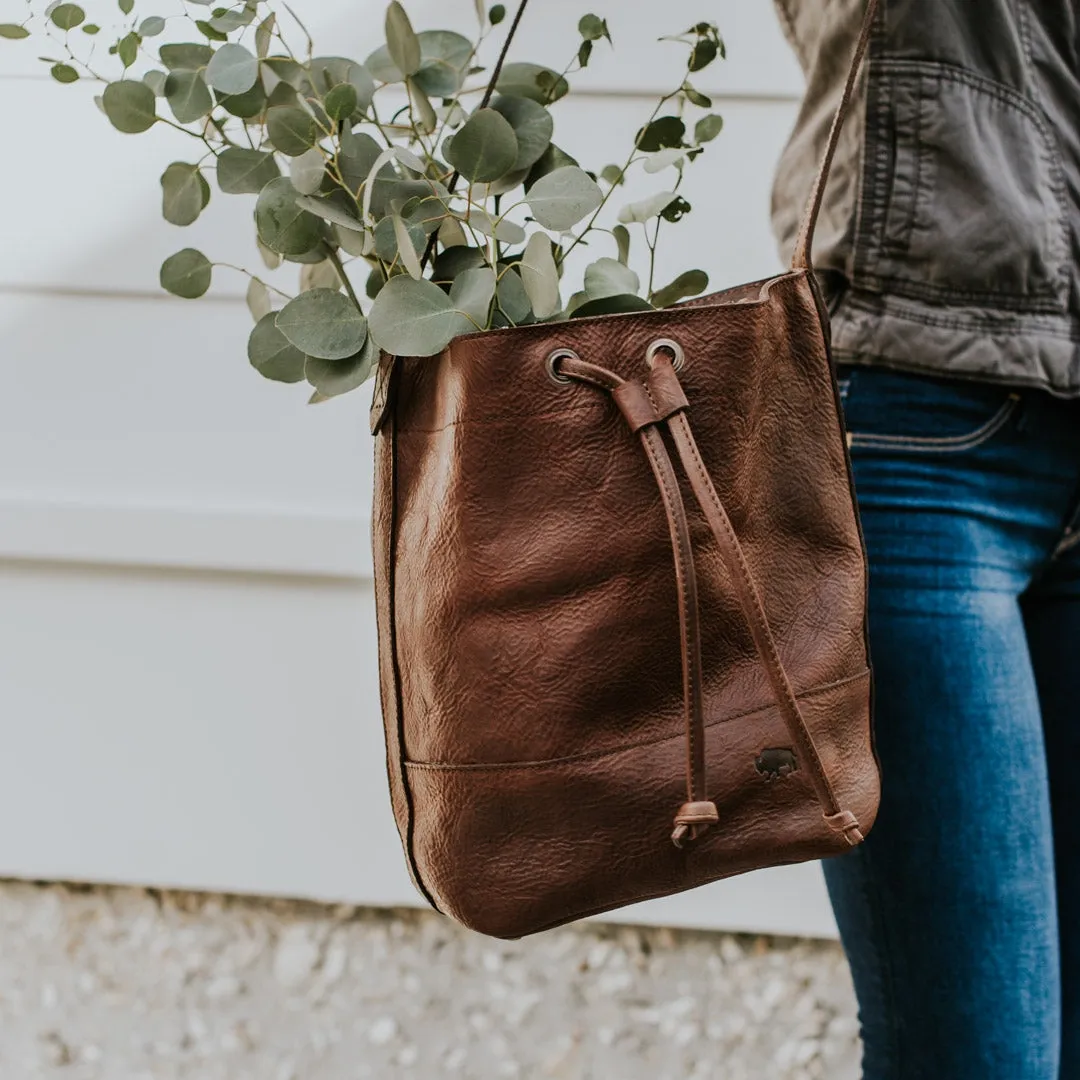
x: 652, y: 253
x: 484, y: 102
x: 611, y: 191
x: 335, y: 258
x: 253, y: 277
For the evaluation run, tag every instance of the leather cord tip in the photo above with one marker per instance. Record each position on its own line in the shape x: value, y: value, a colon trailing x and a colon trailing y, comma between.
x: 690, y: 818
x: 847, y: 824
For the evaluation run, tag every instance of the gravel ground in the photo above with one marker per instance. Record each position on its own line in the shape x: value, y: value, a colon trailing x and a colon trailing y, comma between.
x: 130, y: 984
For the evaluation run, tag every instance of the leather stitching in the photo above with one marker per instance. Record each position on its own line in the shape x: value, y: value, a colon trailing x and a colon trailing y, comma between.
x: 680, y: 536
x: 772, y: 657
x: 593, y: 755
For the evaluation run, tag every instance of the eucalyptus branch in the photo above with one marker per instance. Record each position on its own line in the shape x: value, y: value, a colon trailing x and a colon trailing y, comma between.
x: 321, y: 197
x: 489, y: 92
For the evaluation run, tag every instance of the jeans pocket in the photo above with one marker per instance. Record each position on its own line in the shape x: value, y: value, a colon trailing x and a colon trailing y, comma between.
x: 889, y: 410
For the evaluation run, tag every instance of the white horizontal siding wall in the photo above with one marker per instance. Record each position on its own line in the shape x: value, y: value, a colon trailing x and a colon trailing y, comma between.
x: 188, y: 691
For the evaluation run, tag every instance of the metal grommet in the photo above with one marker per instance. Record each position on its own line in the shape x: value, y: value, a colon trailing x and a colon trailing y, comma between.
x: 552, y: 365
x: 678, y: 357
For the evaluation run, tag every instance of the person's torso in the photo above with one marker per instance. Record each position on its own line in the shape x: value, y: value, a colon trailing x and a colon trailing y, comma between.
x: 952, y: 223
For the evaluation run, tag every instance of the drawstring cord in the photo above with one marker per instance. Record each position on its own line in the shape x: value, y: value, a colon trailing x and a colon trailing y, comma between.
x: 661, y: 403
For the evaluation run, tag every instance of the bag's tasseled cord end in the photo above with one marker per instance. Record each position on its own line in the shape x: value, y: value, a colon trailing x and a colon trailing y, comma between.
x: 846, y: 823
x: 691, y: 817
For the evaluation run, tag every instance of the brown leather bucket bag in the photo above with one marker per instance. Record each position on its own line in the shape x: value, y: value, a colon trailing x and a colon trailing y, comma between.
x: 621, y: 604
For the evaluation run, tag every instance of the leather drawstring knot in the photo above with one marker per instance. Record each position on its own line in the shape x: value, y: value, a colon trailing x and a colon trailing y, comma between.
x: 844, y: 822
x: 690, y: 817
x: 647, y: 408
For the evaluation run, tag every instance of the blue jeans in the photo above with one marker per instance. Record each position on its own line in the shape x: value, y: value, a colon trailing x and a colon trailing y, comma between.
x: 961, y: 913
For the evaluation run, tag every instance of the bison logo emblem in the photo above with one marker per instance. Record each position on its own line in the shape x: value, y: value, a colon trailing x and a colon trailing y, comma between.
x: 775, y: 764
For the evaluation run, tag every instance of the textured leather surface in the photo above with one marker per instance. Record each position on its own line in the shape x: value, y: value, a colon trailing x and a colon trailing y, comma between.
x: 530, y: 646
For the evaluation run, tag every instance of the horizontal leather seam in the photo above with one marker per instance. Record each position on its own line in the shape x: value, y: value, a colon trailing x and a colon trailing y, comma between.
x: 594, y: 755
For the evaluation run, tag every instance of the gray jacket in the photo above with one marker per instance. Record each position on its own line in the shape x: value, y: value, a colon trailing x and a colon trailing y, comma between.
x: 949, y: 240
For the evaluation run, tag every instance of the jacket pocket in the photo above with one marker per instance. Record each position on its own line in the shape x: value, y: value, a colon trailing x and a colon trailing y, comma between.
x: 890, y: 410
x: 963, y: 193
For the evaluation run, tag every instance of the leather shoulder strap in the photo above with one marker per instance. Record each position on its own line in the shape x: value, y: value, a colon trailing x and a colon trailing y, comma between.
x: 801, y: 259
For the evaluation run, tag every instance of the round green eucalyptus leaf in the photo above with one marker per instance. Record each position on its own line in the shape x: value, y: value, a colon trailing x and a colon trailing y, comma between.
x: 291, y: 130
x: 401, y: 40
x: 246, y: 106
x: 264, y: 35
x: 454, y: 261
x: 484, y: 148
x: 609, y: 277
x: 357, y: 156
x: 64, y: 73
x: 388, y: 239
x: 414, y: 318
x: 426, y: 211
x: 332, y: 210
x: 188, y: 96
x: 203, y: 25
x: 553, y: 158
x: 258, y: 299
x: 13, y: 32
x: 502, y: 229
x: 444, y: 63
x: 323, y: 323
x: 513, y: 299
x: 186, y: 274
x: 707, y: 128
x: 232, y: 70
x: 497, y: 14
x: 225, y: 22
x: 271, y: 353
x: 156, y: 80
x: 67, y: 16
x: 316, y: 255
x: 646, y: 209
x: 662, y: 133
x: 151, y: 26
x: 320, y: 275
x: 241, y: 171
x: 351, y: 242
x: 472, y: 293
x: 676, y: 210
x: 307, y: 171
x: 127, y: 48
x: 283, y: 226
x: 690, y: 283
x: 328, y: 72
x: 335, y: 377
x: 186, y: 56
x: 372, y: 287
x: 622, y: 239
x: 592, y: 27
x: 705, y: 52
x: 611, y: 305
x: 562, y: 198
x: 289, y: 71
x: 532, y: 81
x: 532, y: 125
x: 184, y: 193
x: 540, y: 276
x: 282, y: 94
x: 341, y: 102
x: 130, y: 106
